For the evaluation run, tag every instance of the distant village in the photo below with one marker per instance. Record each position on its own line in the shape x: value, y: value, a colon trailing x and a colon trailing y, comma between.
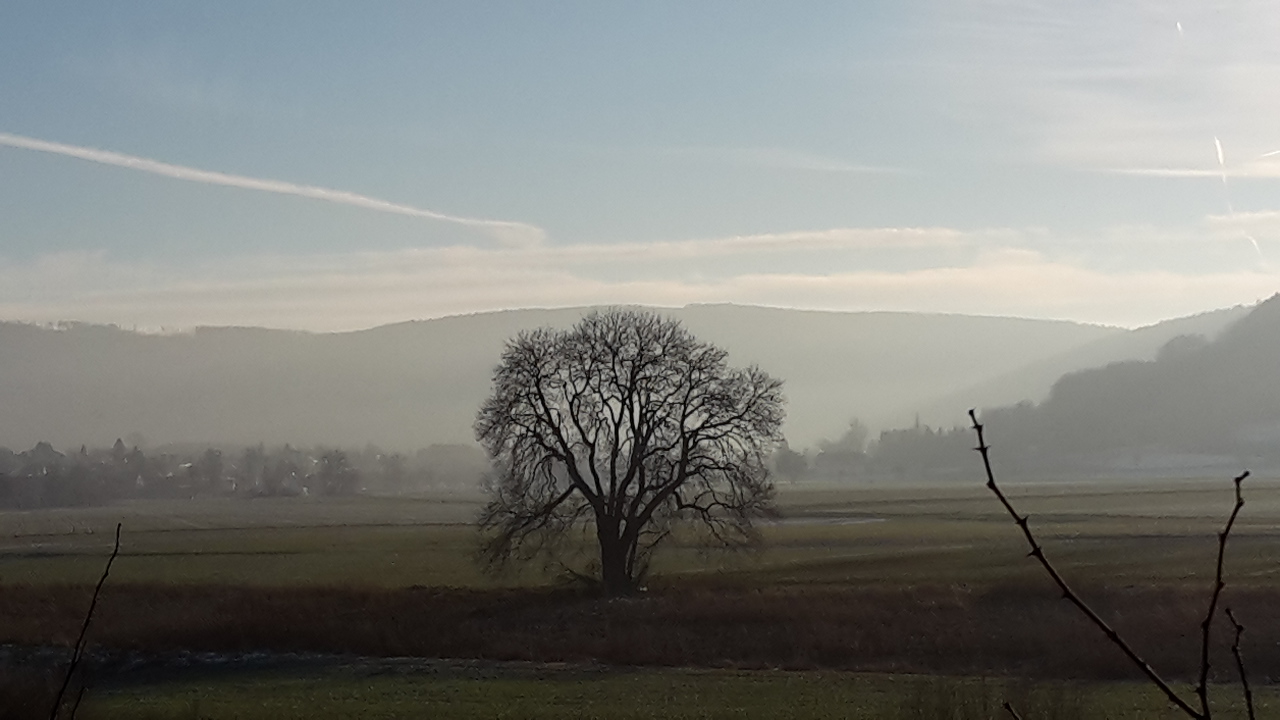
x: 43, y: 477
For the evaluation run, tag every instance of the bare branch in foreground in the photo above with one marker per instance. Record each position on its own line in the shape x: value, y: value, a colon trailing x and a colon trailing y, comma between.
x: 78, y: 652
x: 75, y: 707
x: 1202, y: 687
x: 1067, y: 593
x: 1008, y: 706
x: 1235, y: 650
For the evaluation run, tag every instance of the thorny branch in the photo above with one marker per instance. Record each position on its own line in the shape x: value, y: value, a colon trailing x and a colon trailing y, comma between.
x: 78, y: 652
x: 1235, y: 651
x: 1067, y: 593
x: 75, y: 707
x: 1202, y: 687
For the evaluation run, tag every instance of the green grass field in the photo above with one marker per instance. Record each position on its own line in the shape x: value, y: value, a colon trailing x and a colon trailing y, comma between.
x: 898, y: 593
x: 1131, y: 533
x: 636, y: 695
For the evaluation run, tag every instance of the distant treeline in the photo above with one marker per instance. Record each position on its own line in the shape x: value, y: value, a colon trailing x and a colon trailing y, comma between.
x: 43, y: 477
x: 1037, y: 445
x: 919, y: 452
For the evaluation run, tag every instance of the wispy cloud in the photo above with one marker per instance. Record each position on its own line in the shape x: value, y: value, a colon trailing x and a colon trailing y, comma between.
x: 1135, y: 85
x: 1002, y: 275
x: 507, y: 232
x: 799, y: 241
x: 1167, y: 172
x: 1266, y: 165
x: 406, y: 287
x: 1252, y: 226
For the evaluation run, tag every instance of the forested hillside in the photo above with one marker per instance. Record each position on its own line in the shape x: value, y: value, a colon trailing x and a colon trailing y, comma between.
x: 1201, y: 407
x: 1196, y: 396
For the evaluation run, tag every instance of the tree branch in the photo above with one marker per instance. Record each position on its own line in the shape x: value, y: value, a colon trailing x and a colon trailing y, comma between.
x: 78, y: 652
x: 1235, y: 651
x: 1202, y: 687
x: 1067, y: 593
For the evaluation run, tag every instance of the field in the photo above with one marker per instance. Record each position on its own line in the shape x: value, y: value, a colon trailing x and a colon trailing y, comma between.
x: 863, y: 602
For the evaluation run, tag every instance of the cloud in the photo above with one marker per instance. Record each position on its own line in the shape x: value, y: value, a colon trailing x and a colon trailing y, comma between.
x: 1166, y: 172
x: 1255, y: 227
x: 1002, y: 275
x: 1117, y: 86
x: 509, y: 233
x: 1266, y: 165
x: 800, y: 241
x: 1025, y: 287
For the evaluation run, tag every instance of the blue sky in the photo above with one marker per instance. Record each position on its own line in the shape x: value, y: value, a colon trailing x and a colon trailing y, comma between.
x: 339, y: 165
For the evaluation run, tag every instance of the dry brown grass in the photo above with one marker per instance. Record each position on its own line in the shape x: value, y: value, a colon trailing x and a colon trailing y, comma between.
x: 26, y: 693
x: 1022, y: 630
x: 940, y: 587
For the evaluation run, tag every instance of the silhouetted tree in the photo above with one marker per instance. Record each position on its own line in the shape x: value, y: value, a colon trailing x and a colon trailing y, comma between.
x: 623, y: 425
x: 790, y: 464
x: 335, y: 474
x: 846, y: 457
x: 207, y: 471
x: 280, y: 475
x: 252, y: 468
x: 392, y: 472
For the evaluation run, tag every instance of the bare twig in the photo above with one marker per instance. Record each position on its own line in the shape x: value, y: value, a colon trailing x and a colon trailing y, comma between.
x: 78, y: 652
x: 1008, y: 706
x: 1067, y: 593
x: 1202, y: 687
x: 1235, y: 650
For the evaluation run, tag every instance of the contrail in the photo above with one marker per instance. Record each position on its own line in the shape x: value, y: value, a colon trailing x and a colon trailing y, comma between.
x: 1222, y: 165
x: 1226, y: 192
x: 515, y: 233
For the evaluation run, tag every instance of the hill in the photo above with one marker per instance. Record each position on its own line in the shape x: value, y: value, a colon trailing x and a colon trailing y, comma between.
x: 411, y: 384
x: 1034, y: 381
x: 1198, y: 394
x: 1201, y: 406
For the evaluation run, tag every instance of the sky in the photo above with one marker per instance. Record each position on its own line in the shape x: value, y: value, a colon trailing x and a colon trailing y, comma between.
x: 335, y: 166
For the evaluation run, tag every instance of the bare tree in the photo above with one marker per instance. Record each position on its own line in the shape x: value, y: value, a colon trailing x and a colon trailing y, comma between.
x: 623, y: 425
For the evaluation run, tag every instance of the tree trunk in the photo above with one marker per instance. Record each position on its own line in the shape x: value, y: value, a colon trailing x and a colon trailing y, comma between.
x: 613, y: 559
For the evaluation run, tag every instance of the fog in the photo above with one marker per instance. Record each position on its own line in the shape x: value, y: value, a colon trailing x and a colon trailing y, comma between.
x: 410, y: 385
x: 876, y: 397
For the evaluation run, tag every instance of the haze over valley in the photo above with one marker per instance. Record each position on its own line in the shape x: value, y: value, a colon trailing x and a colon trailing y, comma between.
x: 871, y: 397
x: 410, y: 385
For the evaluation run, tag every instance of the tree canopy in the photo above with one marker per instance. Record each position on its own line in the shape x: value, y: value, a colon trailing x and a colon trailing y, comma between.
x: 623, y: 426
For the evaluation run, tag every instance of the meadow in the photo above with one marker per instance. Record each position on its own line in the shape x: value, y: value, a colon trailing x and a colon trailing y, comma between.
x: 862, y: 602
